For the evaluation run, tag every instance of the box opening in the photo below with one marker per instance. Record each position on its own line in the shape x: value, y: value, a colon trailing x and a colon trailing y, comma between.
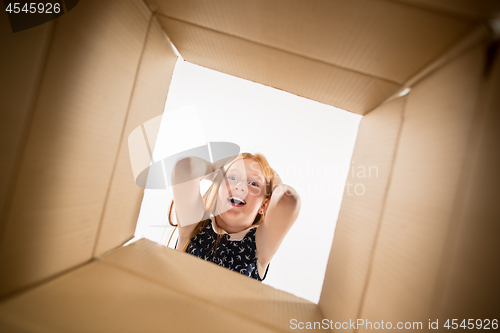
x: 311, y: 154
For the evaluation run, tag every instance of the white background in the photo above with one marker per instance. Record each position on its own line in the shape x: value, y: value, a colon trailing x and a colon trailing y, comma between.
x: 308, y: 143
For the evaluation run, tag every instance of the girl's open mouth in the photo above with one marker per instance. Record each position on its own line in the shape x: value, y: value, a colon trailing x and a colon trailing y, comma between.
x: 236, y: 202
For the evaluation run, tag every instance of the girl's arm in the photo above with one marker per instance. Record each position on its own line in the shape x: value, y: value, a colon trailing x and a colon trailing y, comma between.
x: 276, y: 180
x: 216, y: 166
x: 186, y: 177
x: 283, y: 209
x: 189, y: 208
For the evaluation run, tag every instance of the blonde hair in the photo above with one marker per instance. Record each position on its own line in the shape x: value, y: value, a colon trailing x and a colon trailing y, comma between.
x: 210, y: 196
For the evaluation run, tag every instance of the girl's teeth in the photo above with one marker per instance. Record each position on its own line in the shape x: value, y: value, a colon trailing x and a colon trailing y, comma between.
x: 237, y: 201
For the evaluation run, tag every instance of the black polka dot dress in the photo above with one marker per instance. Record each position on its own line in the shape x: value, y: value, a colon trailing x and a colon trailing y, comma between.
x: 236, y: 251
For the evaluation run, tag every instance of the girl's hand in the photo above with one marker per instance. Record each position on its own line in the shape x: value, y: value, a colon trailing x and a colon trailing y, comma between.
x: 210, y: 177
x: 217, y: 165
x: 216, y: 168
x: 276, y: 179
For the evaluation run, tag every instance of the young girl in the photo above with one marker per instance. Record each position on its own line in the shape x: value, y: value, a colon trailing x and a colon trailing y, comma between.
x: 245, y: 214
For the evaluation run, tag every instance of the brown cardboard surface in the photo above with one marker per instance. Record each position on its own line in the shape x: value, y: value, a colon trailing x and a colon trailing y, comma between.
x: 421, y: 241
x: 481, y: 34
x: 217, y: 286
x: 383, y: 39
x: 300, y: 75
x: 150, y: 92
x: 468, y: 286
x: 20, y: 79
x: 103, y: 298
x: 477, y: 9
x: 419, y: 208
x: 13, y: 326
x: 360, y: 215
x: 73, y: 140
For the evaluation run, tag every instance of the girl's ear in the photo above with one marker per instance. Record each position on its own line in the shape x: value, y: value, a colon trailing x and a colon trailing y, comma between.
x: 264, y: 205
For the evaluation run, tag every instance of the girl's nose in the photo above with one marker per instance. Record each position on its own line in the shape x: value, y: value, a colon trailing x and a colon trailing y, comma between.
x: 240, y: 186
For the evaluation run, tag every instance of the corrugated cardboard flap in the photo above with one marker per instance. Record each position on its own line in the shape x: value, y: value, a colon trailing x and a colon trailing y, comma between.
x: 217, y: 286
x: 349, y: 54
x: 148, y: 287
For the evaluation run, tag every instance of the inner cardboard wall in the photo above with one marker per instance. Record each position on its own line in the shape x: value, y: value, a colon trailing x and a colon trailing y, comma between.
x: 148, y: 101
x: 397, y: 263
x: 105, y: 297
x: 19, y: 84
x: 349, y: 54
x: 107, y: 71
x: 468, y: 283
x: 359, y: 217
x: 418, y: 213
x: 296, y: 74
x: 39, y: 242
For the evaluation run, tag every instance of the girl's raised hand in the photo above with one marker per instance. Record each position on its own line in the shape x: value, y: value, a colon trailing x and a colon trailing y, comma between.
x: 220, y: 163
x: 216, y: 168
x: 276, y: 179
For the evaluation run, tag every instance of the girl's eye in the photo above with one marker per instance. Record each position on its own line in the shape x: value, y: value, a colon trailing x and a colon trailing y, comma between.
x: 254, y: 184
x: 231, y: 178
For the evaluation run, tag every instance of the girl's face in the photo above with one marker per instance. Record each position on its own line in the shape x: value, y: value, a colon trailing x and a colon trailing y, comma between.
x: 241, y: 195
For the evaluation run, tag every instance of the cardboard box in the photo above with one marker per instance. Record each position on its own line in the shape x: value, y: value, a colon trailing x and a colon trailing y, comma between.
x: 421, y: 245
